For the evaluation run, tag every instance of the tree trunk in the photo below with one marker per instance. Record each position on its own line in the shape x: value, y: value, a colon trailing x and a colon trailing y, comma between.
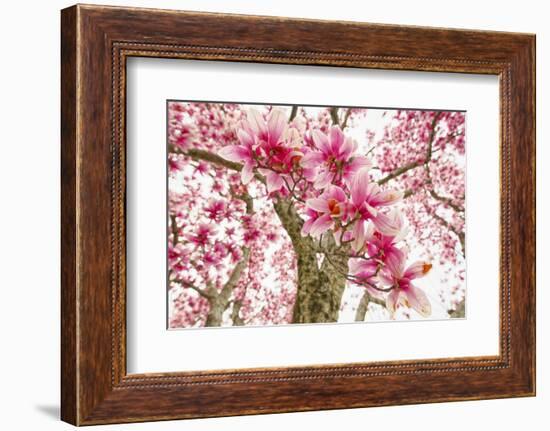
x: 215, y: 313
x: 219, y: 302
x: 320, y: 289
x: 460, y: 310
x: 362, y: 308
x: 235, y: 317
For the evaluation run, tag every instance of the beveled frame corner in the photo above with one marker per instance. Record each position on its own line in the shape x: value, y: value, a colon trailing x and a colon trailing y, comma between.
x: 96, y: 42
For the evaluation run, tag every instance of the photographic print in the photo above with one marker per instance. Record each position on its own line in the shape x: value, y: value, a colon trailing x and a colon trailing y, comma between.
x: 297, y: 214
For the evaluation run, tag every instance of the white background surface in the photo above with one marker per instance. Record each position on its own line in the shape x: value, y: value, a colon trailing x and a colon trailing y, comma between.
x: 29, y: 228
x: 151, y: 348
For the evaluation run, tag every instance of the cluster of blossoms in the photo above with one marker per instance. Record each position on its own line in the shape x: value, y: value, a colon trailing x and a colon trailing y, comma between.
x: 213, y: 227
x: 235, y: 174
x: 343, y: 208
x: 430, y: 159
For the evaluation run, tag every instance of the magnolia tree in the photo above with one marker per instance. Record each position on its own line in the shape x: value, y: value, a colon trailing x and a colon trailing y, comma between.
x: 274, y: 213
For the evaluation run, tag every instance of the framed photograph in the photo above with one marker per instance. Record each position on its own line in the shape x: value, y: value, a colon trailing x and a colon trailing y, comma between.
x: 259, y: 216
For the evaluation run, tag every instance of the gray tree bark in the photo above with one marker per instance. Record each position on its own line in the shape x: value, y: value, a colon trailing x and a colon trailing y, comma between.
x: 320, y: 288
x: 363, y: 305
x: 220, y: 301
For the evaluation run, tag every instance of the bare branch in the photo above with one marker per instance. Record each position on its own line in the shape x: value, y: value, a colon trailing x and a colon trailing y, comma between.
x: 174, y: 229
x: 207, y: 156
x: 446, y: 200
x: 459, y: 311
x: 201, y: 292
x: 346, y: 118
x: 418, y: 163
x: 408, y: 193
x: 400, y: 171
x: 293, y: 113
x: 246, y: 198
x: 235, y: 317
x: 235, y: 276
x: 459, y: 234
x: 334, y: 116
x: 363, y: 306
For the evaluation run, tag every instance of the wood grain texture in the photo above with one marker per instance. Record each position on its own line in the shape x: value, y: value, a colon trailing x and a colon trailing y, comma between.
x: 96, y: 41
x: 69, y: 331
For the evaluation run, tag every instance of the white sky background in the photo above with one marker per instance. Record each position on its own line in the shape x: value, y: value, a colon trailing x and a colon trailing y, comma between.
x: 374, y: 121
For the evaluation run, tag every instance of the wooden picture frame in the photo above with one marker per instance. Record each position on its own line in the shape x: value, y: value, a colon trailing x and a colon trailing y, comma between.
x: 95, y: 43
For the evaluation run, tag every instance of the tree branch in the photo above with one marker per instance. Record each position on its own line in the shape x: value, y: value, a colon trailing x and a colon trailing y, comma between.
x: 459, y: 234
x: 417, y: 163
x: 408, y: 193
x: 201, y: 292
x: 400, y: 171
x: 293, y: 113
x: 346, y: 118
x: 446, y: 200
x: 207, y: 156
x: 459, y: 311
x: 174, y: 229
x: 334, y: 116
x: 235, y: 276
x: 236, y: 319
x: 363, y: 306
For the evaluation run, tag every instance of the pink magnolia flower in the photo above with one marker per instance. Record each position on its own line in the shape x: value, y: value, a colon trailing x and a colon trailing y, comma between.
x: 312, y: 216
x: 330, y: 207
x: 175, y: 163
x: 333, y: 157
x: 281, y: 162
x: 280, y: 150
x: 268, y: 133
x: 202, y: 234
x: 181, y: 135
x: 202, y: 168
x: 404, y: 292
x: 366, y: 200
x: 272, y: 236
x: 243, y: 153
x: 178, y: 257
x: 235, y: 252
x: 364, y: 271
x: 215, y: 210
x: 210, y: 259
x: 383, y: 246
x: 261, y: 139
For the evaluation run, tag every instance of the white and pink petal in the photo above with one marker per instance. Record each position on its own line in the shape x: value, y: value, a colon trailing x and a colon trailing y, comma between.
x: 359, y: 187
x: 257, y: 123
x: 234, y: 153
x: 359, y: 236
x: 324, y: 178
x: 318, y: 204
x: 418, y: 301
x: 321, y: 225
x: 392, y: 300
x: 385, y: 224
x: 321, y: 141
x: 417, y: 269
x: 276, y: 125
x: 274, y: 181
x: 247, y: 172
x: 312, y: 159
